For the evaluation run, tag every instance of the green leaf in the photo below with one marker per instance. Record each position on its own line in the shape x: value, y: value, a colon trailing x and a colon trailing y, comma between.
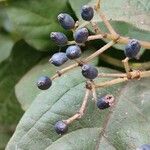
x: 6, y: 44
x: 128, y: 17
x: 123, y: 127
x: 34, y: 20
x: 26, y: 89
x: 12, y: 69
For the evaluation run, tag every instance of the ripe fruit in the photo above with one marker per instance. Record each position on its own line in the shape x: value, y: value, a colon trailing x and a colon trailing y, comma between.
x: 59, y: 38
x: 66, y: 21
x: 144, y: 147
x: 44, y: 83
x: 61, y: 127
x: 132, y: 48
x: 105, y: 101
x: 87, y: 13
x: 81, y: 35
x: 73, y: 52
x: 88, y: 71
x: 58, y: 59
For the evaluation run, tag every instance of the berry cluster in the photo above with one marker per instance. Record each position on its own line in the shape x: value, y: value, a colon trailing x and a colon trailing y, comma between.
x: 73, y: 52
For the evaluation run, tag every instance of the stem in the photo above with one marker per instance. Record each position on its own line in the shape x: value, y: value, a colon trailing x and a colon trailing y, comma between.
x: 101, y: 50
x: 82, y: 109
x: 96, y: 28
x: 120, y: 75
x: 134, y: 75
x: 127, y: 67
x: 59, y: 73
x: 109, y: 83
x: 107, y: 24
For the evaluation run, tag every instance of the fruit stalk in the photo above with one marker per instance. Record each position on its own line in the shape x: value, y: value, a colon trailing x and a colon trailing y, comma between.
x: 81, y: 110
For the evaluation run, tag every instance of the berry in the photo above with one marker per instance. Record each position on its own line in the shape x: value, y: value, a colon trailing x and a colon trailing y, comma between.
x: 87, y: 13
x: 59, y: 38
x: 132, y: 48
x: 81, y: 35
x: 88, y: 71
x: 66, y: 21
x: 58, y: 59
x: 144, y: 147
x: 44, y: 83
x: 73, y: 52
x: 61, y: 127
x: 105, y: 101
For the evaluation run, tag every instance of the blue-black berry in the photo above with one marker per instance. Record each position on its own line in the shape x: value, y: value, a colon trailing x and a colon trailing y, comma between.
x: 44, y: 83
x: 73, y: 52
x: 81, y: 35
x: 59, y: 38
x: 87, y: 13
x: 66, y: 21
x: 144, y: 147
x: 132, y: 48
x: 88, y: 71
x: 58, y: 59
x: 105, y: 101
x: 61, y: 127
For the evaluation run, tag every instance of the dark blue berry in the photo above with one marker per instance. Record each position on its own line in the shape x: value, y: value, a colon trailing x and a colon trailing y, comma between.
x: 61, y: 127
x: 88, y: 71
x: 81, y: 35
x: 58, y: 59
x: 44, y: 83
x: 73, y: 52
x: 144, y: 147
x: 87, y: 13
x: 66, y: 21
x: 132, y: 48
x: 103, y: 102
x: 59, y: 38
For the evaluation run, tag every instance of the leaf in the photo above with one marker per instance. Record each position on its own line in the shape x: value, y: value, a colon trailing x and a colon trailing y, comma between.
x: 128, y: 17
x: 125, y: 126
x: 12, y: 69
x: 6, y: 44
x: 34, y: 20
x: 26, y: 89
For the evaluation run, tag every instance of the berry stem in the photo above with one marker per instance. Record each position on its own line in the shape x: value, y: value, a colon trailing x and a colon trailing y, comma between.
x: 59, y: 73
x: 98, y: 52
x: 127, y: 67
x: 111, y: 82
x: 94, y: 91
x: 105, y: 20
x: 101, y: 50
x: 120, y: 75
x: 81, y: 110
x: 121, y: 40
x: 96, y: 28
x: 134, y: 75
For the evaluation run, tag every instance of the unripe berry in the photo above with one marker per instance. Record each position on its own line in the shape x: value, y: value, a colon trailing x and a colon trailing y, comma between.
x: 73, y: 52
x: 105, y: 101
x: 87, y: 13
x: 88, y: 71
x: 132, y: 48
x: 44, y: 83
x: 59, y: 38
x: 81, y: 35
x: 66, y: 21
x: 58, y: 59
x: 144, y: 147
x: 61, y: 127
